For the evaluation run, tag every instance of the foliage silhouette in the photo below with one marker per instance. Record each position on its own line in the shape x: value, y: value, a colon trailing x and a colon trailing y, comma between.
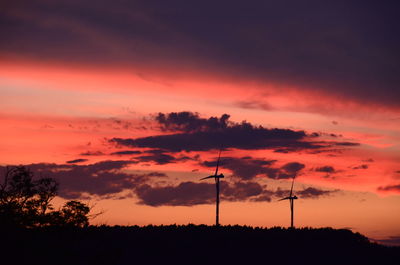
x: 73, y: 213
x: 25, y: 202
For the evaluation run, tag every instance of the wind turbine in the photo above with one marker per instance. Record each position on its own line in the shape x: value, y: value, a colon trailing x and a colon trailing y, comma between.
x: 216, y: 178
x: 291, y: 199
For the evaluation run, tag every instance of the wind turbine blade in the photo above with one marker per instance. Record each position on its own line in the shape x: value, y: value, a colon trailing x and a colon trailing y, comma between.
x: 209, y: 177
x: 219, y: 157
x: 286, y: 198
x: 291, y: 189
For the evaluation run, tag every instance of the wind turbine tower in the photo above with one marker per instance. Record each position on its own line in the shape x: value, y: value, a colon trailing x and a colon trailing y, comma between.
x: 291, y: 199
x: 216, y: 178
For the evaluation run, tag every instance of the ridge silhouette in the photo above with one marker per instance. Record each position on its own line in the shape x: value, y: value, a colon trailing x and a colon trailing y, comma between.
x: 191, y: 244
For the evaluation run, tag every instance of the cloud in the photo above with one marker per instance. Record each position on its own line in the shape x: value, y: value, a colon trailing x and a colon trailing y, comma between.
x: 291, y: 169
x: 241, y: 191
x: 184, y: 194
x: 80, y: 160
x: 186, y: 121
x: 312, y: 193
x: 253, y: 104
x: 191, y: 193
x: 92, y: 153
x: 159, y: 157
x: 364, y: 166
x: 281, y: 193
x: 326, y: 169
x: 198, y: 134
x: 323, y: 48
x: 108, y: 178
x: 305, y: 193
x: 390, y: 188
x: 346, y: 144
x: 102, y: 179
x: 126, y: 152
x: 264, y: 196
x: 247, y: 168
x: 369, y: 160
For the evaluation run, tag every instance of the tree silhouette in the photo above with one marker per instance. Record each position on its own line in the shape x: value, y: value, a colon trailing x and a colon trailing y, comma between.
x: 25, y: 202
x: 73, y: 213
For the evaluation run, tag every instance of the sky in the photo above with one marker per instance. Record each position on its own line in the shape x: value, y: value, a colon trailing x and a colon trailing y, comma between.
x: 127, y: 104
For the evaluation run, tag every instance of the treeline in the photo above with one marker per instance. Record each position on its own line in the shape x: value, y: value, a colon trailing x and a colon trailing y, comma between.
x: 193, y: 244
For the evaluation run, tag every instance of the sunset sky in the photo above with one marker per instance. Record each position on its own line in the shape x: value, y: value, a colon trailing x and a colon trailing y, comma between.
x: 127, y: 103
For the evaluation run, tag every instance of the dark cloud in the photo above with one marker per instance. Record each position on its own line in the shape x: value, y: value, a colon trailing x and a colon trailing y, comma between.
x: 264, y: 196
x: 199, y: 134
x: 161, y: 158
x: 345, y: 48
x: 241, y: 191
x: 326, y: 169
x: 184, y: 194
x: 291, y: 169
x: 395, y: 188
x: 108, y: 178
x: 245, y: 138
x: 92, y: 153
x: 247, y: 168
x: 190, y: 122
x: 370, y: 160
x: 346, y: 144
x: 126, y: 152
x: 281, y: 193
x: 253, y: 104
x: 312, y: 193
x: 156, y: 174
x: 191, y: 193
x: 79, y: 160
x: 103, y: 178
x: 361, y: 167
x: 284, y: 150
x: 305, y: 193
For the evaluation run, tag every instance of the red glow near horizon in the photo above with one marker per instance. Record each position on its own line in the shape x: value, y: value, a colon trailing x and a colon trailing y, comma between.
x: 53, y: 114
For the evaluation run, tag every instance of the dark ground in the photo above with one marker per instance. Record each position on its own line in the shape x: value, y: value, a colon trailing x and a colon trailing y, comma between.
x: 191, y: 245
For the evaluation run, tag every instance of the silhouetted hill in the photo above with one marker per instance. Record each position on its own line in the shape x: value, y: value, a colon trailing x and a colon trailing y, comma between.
x: 191, y: 245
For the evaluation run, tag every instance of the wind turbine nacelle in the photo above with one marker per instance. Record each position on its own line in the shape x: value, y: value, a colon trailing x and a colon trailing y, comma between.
x: 289, y: 198
x: 220, y: 176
